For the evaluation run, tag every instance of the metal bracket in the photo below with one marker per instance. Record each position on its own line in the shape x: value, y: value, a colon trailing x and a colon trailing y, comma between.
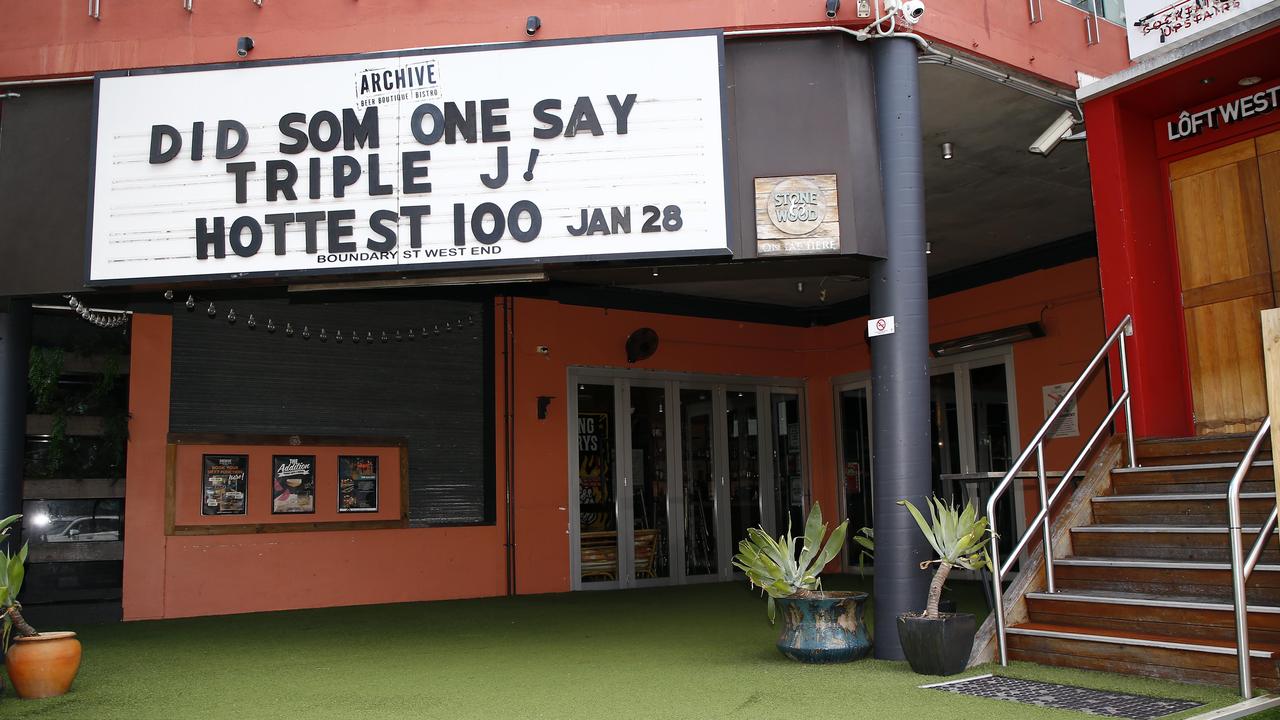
x: 188, y: 5
x: 95, y: 9
x: 1093, y: 33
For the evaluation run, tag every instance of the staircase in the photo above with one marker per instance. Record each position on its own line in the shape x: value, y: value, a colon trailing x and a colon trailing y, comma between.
x: 1145, y: 587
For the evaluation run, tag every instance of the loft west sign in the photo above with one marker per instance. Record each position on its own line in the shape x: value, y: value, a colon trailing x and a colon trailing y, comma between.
x: 515, y: 154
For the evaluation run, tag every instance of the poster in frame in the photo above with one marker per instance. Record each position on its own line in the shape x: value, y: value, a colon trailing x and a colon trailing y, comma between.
x: 357, y: 483
x: 293, y: 484
x: 224, y: 484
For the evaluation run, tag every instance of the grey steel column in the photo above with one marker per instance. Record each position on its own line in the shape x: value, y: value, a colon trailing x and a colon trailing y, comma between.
x: 900, y: 362
x: 15, y: 343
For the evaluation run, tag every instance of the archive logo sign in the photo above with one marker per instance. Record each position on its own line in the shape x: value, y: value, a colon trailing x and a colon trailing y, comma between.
x: 519, y: 154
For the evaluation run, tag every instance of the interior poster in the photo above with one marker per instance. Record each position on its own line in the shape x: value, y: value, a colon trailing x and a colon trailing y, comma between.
x: 224, y: 483
x: 293, y: 484
x: 429, y: 158
x: 357, y: 483
x: 595, y: 475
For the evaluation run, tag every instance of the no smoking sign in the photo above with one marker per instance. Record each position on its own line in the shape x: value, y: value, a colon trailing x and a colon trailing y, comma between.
x: 880, y: 326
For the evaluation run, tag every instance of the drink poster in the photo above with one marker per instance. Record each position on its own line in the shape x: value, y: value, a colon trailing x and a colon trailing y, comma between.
x: 225, y: 479
x: 357, y: 483
x: 293, y: 484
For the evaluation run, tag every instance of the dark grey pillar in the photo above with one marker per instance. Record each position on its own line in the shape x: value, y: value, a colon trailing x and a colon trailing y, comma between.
x: 900, y: 361
x: 15, y: 344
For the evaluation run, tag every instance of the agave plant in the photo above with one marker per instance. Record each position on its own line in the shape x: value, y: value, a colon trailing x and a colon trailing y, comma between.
x: 958, y: 537
x: 782, y: 568
x: 12, y: 570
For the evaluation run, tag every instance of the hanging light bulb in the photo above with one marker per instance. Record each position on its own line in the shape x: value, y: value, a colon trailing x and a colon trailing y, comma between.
x: 410, y: 334
x: 384, y: 335
x: 436, y: 329
x: 447, y: 326
x: 213, y: 311
x: 231, y: 315
x: 398, y: 338
x: 355, y: 338
x: 369, y: 338
x: 337, y: 337
x: 271, y: 325
x: 288, y: 330
x: 306, y: 333
x: 191, y: 302
x: 252, y: 323
x: 168, y: 294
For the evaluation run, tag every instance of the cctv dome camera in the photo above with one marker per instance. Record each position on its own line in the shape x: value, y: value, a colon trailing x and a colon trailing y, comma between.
x: 913, y: 10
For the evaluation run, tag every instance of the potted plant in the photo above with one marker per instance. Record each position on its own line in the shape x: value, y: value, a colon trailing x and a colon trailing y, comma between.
x: 939, y: 643
x: 40, y: 664
x: 817, y: 626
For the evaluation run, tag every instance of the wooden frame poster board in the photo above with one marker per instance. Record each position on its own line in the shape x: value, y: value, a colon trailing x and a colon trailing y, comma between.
x: 284, y: 484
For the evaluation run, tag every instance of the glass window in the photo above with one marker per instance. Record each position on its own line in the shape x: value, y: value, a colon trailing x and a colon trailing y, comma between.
x: 57, y: 521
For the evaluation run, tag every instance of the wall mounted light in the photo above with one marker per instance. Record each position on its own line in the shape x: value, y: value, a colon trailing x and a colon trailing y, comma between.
x: 243, y: 45
x: 928, y: 247
x: 1003, y: 336
x: 948, y: 151
x: 833, y: 7
x: 95, y: 9
x: 1248, y: 81
x: 532, y: 24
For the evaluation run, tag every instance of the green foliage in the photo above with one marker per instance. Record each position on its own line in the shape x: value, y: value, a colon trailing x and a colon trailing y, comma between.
x: 958, y: 537
x: 44, y: 368
x: 12, y: 572
x: 866, y: 538
x: 783, y: 567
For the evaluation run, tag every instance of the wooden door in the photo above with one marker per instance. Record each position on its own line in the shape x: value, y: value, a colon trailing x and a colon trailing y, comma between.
x: 1226, y: 265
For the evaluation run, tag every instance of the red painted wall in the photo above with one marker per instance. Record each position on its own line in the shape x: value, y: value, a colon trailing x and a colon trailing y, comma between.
x: 57, y: 37
x: 180, y: 576
x: 1066, y: 299
x: 1137, y: 246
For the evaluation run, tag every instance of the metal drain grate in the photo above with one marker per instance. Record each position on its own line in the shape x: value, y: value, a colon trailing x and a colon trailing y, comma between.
x: 1066, y: 697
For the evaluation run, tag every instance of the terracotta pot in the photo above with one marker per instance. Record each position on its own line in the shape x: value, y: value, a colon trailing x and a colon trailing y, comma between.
x: 43, y: 665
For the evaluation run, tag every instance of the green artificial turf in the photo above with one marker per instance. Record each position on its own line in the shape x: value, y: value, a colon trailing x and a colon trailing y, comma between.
x: 702, y: 651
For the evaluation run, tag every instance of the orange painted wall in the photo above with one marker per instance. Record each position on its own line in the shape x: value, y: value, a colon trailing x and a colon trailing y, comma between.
x: 180, y: 576
x: 1066, y: 299
x: 184, y: 575
x: 57, y: 37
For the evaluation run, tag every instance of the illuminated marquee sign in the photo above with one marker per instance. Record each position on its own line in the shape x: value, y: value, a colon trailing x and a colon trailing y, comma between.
x: 517, y: 154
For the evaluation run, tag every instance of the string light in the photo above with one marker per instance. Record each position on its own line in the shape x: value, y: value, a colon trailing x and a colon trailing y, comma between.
x: 357, y: 336
x: 102, y: 320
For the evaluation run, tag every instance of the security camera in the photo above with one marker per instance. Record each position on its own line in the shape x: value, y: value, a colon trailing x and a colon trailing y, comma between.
x: 1057, y: 132
x: 833, y: 7
x: 913, y: 10
x: 244, y: 45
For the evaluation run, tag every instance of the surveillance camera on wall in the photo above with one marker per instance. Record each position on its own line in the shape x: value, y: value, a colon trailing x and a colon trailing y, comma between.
x: 913, y: 10
x: 1057, y: 132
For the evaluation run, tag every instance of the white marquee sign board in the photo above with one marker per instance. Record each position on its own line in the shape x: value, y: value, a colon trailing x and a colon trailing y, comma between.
x: 519, y: 154
x: 1157, y: 25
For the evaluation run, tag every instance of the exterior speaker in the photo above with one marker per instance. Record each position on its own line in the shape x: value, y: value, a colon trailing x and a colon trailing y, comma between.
x: 641, y: 345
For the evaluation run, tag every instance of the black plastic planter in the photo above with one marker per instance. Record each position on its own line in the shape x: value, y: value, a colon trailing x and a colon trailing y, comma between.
x: 940, y: 646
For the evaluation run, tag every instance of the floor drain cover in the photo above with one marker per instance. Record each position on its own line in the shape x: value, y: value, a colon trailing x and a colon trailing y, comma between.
x: 1065, y: 697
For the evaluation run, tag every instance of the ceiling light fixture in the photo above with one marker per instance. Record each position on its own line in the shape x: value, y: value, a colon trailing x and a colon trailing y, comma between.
x: 243, y: 45
x: 833, y: 7
x: 1249, y: 80
x: 948, y: 151
x: 928, y: 247
x: 531, y: 24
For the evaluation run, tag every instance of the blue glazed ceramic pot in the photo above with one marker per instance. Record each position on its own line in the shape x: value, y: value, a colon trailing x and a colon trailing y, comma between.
x: 823, y: 627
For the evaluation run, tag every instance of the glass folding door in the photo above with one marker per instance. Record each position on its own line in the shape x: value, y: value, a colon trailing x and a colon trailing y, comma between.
x: 668, y: 472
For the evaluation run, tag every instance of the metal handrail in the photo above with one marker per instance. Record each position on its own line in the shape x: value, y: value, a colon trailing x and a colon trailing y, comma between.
x: 1036, y: 447
x: 1242, y: 567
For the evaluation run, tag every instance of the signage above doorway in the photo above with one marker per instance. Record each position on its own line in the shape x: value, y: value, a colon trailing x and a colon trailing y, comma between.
x: 1160, y: 25
x: 601, y: 149
x: 797, y: 215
